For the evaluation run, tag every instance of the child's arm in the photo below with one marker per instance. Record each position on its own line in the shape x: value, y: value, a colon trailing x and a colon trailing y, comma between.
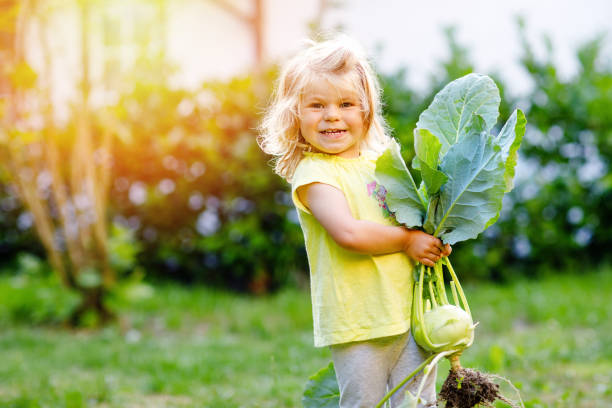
x: 330, y: 208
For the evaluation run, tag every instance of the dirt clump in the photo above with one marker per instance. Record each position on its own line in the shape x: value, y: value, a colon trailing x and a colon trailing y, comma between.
x: 466, y: 388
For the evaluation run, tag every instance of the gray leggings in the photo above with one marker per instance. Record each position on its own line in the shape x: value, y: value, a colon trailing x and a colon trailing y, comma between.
x: 367, y: 370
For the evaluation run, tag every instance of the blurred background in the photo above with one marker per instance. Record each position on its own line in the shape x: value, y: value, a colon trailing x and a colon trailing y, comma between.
x: 129, y: 162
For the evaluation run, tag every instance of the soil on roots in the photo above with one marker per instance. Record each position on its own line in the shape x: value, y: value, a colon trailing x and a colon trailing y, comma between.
x: 466, y: 388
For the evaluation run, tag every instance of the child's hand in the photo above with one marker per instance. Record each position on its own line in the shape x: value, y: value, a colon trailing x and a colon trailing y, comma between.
x: 425, y: 248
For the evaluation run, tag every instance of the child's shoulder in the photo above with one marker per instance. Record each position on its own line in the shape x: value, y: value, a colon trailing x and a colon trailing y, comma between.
x: 311, y: 162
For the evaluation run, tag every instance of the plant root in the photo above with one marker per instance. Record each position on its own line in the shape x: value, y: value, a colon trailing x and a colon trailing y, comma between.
x: 466, y: 388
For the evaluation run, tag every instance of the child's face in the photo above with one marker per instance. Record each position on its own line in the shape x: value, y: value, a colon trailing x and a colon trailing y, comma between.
x: 331, y: 118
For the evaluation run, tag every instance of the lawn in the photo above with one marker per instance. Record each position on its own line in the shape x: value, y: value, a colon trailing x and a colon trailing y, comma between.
x: 201, y: 348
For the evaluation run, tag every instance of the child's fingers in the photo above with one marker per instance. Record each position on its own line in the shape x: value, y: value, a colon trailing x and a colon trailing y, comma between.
x: 430, y: 258
x: 427, y: 262
x: 434, y: 251
x: 442, y: 249
x: 439, y: 245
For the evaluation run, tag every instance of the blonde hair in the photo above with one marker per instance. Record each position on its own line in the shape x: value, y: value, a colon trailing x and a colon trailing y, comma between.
x: 280, y: 128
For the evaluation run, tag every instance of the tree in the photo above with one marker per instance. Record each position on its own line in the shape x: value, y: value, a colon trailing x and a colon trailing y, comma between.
x: 61, y: 177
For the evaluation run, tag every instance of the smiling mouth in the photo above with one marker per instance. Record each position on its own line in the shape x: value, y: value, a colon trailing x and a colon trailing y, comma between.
x: 333, y: 132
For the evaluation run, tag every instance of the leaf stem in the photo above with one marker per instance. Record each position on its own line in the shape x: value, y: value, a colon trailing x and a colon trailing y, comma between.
x: 419, y: 308
x: 440, y: 283
x: 466, y: 307
x: 454, y: 290
x: 405, y: 380
x: 432, y: 295
x: 428, y: 369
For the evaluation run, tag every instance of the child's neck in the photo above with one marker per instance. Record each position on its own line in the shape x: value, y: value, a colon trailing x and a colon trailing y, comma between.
x: 347, y: 154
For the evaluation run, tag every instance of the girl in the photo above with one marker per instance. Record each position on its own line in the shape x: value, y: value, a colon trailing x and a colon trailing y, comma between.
x: 326, y: 130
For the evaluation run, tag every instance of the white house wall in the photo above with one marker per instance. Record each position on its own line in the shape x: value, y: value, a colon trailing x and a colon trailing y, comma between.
x: 203, y: 40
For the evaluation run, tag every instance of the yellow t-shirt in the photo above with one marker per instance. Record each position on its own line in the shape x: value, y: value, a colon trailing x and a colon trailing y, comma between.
x: 354, y: 296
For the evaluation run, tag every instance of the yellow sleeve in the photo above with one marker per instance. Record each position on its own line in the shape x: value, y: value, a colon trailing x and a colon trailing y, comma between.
x: 312, y: 170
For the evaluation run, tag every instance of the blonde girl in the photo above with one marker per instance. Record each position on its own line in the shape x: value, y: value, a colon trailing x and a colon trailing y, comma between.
x: 325, y: 129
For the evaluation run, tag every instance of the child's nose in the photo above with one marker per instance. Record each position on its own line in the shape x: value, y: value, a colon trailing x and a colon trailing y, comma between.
x: 332, y: 113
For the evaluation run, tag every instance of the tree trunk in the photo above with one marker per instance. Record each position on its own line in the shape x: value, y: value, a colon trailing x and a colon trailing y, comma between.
x: 92, y: 300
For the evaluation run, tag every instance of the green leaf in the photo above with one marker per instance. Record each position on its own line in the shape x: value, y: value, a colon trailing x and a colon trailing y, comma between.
x: 433, y: 179
x: 509, y: 139
x: 322, y: 389
x: 450, y: 114
x: 431, y: 219
x: 403, y: 197
x: 423, y: 191
x: 474, y: 191
x: 427, y: 148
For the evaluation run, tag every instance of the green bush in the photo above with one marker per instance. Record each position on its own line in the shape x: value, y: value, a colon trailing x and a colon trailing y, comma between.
x: 557, y: 217
x: 30, y: 293
x: 203, y: 205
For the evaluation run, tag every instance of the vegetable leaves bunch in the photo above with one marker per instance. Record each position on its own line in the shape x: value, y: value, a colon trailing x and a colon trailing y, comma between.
x: 465, y: 170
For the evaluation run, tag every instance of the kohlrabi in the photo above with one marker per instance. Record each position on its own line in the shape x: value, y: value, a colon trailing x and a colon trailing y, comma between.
x: 465, y: 171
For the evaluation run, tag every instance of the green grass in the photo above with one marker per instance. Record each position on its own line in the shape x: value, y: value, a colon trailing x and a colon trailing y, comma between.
x: 200, y: 348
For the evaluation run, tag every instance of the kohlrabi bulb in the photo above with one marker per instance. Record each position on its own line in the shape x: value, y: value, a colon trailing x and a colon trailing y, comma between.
x: 448, y: 327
